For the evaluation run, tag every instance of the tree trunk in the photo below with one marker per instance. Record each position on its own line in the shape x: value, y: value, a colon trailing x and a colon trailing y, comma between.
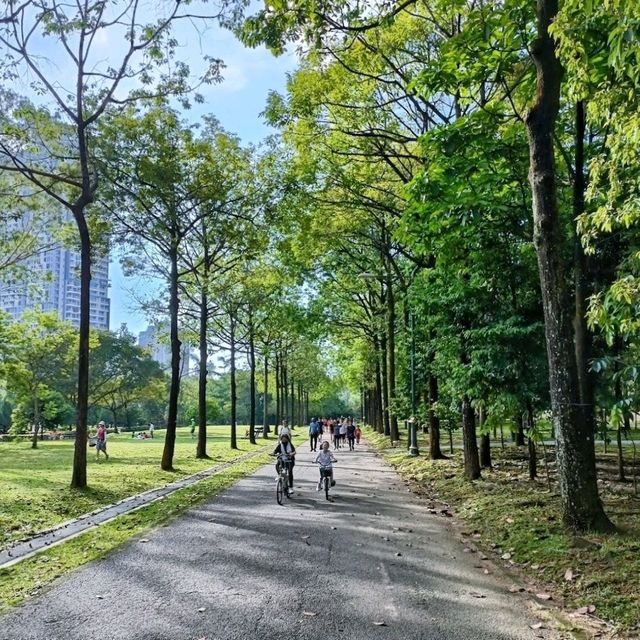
x: 485, y: 443
x: 176, y: 345
x: 265, y: 402
x: 394, y: 434
x: 293, y: 403
x: 285, y: 393
x: 618, y: 397
x: 435, y: 453
x: 79, y: 474
x: 621, y: 475
x: 520, y: 442
x: 381, y: 416
x: 575, y: 453
x: 252, y: 383
x: 582, y: 289
x: 485, y: 451
x: 36, y: 421
x: 533, y: 459
x: 533, y: 453
x: 278, y: 400
x: 385, y: 386
x: 470, y: 444
x: 201, y: 447
x: 234, y: 393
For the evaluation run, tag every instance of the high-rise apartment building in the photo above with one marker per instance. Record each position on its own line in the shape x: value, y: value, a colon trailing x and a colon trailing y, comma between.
x: 54, y: 285
x: 156, y: 340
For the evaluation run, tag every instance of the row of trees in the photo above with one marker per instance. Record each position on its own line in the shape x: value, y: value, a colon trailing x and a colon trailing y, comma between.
x: 470, y: 183
x: 187, y: 205
x: 38, y: 365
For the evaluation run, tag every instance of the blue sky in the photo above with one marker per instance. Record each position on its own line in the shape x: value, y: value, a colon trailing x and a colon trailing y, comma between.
x: 237, y: 103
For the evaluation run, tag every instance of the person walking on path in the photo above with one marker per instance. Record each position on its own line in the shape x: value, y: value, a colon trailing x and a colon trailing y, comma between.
x: 351, y: 434
x: 358, y: 434
x: 101, y: 440
x: 314, y: 431
x: 336, y: 435
x: 152, y: 428
x: 343, y: 432
x: 284, y: 429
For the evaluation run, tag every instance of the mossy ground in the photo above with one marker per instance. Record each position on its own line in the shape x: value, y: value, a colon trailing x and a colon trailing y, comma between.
x: 519, y: 522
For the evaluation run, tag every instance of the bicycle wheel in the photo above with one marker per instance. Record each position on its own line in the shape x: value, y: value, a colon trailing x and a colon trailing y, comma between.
x: 326, y: 487
x: 286, y: 488
x: 279, y: 491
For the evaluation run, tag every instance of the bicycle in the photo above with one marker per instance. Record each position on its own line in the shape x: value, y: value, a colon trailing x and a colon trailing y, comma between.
x: 282, y: 483
x: 325, y: 478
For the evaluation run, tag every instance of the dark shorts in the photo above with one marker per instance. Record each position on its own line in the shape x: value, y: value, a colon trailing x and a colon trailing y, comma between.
x: 101, y: 445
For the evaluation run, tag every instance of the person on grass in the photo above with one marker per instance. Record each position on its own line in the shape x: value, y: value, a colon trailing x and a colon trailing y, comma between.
x: 101, y: 440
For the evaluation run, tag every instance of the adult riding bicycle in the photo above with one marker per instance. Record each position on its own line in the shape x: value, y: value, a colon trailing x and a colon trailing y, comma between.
x: 283, y: 487
x: 285, y: 451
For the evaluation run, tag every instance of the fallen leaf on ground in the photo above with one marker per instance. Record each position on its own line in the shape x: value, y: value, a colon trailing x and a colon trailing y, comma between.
x: 569, y: 575
x: 506, y: 556
x: 544, y: 596
x: 380, y: 623
x: 537, y: 625
x: 475, y: 594
x: 144, y: 540
x: 309, y: 613
x: 202, y: 609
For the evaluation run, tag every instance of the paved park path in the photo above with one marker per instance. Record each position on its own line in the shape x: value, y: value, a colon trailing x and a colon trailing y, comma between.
x: 373, y: 565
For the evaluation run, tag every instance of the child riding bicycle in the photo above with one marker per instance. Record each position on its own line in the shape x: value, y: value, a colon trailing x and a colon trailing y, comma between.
x: 324, y: 459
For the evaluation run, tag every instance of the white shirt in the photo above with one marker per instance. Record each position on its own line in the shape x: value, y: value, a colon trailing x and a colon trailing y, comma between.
x: 284, y: 430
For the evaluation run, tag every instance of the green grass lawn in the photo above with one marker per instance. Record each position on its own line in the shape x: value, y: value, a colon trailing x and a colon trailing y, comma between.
x: 35, y: 492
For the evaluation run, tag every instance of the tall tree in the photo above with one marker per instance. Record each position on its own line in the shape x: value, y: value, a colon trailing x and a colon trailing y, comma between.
x: 61, y: 163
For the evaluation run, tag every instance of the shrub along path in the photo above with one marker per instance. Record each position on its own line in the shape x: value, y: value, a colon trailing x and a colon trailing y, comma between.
x: 375, y: 564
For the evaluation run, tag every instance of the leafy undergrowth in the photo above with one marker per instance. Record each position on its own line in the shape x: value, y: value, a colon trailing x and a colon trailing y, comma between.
x: 31, y: 576
x: 35, y: 482
x: 518, y: 521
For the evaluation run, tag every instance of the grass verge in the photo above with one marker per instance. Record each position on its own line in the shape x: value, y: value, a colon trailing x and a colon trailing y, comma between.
x: 35, y: 482
x: 31, y: 576
x: 518, y: 522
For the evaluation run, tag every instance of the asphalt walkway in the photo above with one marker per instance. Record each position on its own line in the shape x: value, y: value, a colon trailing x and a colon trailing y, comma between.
x: 373, y: 565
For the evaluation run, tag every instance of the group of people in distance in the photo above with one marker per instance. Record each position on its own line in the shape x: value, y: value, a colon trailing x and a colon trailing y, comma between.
x: 340, y: 431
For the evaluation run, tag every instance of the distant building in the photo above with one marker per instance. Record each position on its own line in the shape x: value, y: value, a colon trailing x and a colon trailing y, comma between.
x: 156, y: 340
x: 54, y: 285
